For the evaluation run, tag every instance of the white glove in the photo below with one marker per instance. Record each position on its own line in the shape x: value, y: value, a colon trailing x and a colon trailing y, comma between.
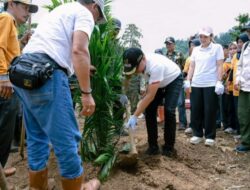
x: 132, y: 122
x: 186, y: 84
x: 219, y: 88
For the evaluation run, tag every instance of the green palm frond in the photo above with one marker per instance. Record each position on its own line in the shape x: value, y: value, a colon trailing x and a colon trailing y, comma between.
x: 100, y: 127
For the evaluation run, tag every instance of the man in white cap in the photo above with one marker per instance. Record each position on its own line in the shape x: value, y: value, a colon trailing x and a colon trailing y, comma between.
x: 61, y: 39
x: 164, y: 80
x: 15, y: 13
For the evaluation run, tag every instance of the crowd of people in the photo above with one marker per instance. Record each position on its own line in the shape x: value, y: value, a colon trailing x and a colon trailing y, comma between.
x: 215, y: 76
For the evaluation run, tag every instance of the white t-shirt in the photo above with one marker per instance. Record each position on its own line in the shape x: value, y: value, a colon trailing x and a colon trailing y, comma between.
x: 54, y: 34
x: 161, y: 69
x: 205, y: 72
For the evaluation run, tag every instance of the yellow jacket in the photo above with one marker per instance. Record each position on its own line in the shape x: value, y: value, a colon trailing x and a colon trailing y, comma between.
x: 9, y: 44
x: 187, y: 64
x: 227, y: 69
x: 234, y: 66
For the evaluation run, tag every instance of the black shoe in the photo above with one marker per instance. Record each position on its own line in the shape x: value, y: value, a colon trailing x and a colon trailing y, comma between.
x: 242, y: 148
x: 13, y: 149
x: 218, y: 126
x: 169, y: 152
x: 152, y: 150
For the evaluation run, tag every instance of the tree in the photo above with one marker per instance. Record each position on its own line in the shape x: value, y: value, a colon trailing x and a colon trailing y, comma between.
x: 25, y: 27
x: 242, y: 20
x: 182, y: 46
x: 132, y: 36
x: 224, y: 38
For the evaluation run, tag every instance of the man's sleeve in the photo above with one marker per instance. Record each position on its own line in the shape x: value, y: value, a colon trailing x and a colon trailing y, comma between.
x: 4, y: 36
x: 84, y: 22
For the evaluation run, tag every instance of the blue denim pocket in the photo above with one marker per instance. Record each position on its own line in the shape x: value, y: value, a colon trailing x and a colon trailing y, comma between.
x: 41, y: 95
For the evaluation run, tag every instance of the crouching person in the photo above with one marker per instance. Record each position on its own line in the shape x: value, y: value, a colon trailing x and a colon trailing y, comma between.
x: 60, y: 41
x: 164, y: 81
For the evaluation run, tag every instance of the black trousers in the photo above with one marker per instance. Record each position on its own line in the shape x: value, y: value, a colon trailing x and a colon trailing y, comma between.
x: 228, y: 111
x: 204, y: 107
x: 171, y: 94
x: 8, y: 113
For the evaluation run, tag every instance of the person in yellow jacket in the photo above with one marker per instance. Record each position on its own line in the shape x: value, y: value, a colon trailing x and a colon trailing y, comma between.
x: 228, y: 111
x: 16, y: 12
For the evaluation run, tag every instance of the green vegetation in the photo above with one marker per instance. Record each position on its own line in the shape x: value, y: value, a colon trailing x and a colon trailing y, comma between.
x: 131, y: 36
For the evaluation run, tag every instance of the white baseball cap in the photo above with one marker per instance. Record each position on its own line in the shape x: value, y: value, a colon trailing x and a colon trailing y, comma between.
x: 32, y: 8
x: 100, y: 3
x: 207, y: 31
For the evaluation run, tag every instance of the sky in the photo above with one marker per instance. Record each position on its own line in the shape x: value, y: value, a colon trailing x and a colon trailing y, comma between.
x: 158, y: 19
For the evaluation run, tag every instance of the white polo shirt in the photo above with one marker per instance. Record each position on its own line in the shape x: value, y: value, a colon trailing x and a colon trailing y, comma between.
x: 205, y: 72
x: 160, y: 69
x: 54, y: 34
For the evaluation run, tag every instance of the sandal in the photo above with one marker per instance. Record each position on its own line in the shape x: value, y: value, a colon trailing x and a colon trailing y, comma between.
x: 9, y: 171
x: 93, y: 184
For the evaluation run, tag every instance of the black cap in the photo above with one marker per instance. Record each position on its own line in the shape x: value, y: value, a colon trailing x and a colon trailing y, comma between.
x: 196, y: 42
x: 117, y: 23
x: 131, y: 59
x: 170, y: 40
x: 243, y: 37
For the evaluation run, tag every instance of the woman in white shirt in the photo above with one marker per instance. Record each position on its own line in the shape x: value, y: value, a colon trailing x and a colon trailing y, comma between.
x: 204, y: 76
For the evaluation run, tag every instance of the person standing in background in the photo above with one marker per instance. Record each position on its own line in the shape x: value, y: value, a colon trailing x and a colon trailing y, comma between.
x: 178, y: 58
x: 243, y: 84
x: 228, y: 112
x: 192, y: 43
x: 240, y: 40
x: 205, y: 78
x: 15, y: 13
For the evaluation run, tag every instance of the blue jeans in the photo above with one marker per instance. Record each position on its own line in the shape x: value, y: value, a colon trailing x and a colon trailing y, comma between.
x: 182, y: 109
x: 49, y: 117
x: 170, y: 93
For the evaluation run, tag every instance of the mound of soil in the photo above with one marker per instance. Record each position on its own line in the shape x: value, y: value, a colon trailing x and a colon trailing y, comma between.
x: 195, y: 167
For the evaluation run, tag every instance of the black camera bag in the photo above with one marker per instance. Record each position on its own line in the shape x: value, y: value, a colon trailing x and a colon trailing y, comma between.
x: 31, y: 71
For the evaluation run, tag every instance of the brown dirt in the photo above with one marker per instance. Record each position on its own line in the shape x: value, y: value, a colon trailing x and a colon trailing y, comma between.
x: 196, y: 167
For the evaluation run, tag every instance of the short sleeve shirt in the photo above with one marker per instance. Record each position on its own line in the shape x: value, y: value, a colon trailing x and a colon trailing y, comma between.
x: 9, y: 45
x: 205, y: 60
x: 160, y: 69
x: 54, y: 34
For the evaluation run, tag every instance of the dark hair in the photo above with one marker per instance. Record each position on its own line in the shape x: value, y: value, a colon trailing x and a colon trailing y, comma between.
x: 85, y: 2
x: 6, y: 5
x: 225, y: 46
x: 190, y: 39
